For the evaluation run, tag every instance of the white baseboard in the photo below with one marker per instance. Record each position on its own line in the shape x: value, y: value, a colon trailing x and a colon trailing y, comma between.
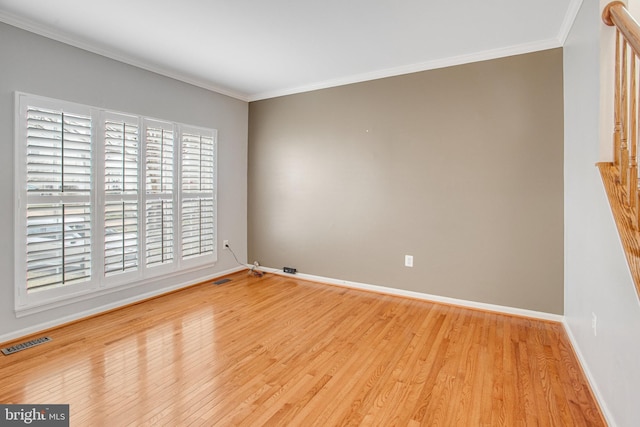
x: 97, y: 310
x: 608, y: 417
x: 427, y: 297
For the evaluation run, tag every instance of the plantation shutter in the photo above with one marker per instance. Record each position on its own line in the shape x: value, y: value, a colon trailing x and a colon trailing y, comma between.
x: 58, y: 205
x: 159, y: 182
x: 106, y: 199
x: 198, y: 185
x: 121, y: 225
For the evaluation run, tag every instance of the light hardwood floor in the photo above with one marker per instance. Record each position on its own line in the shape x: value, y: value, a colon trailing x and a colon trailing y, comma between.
x: 281, y: 351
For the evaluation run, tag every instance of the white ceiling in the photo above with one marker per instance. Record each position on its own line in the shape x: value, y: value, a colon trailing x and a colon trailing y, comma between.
x: 255, y: 49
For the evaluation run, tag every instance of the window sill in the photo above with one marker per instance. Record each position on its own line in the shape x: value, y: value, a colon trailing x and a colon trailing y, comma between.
x: 61, y: 301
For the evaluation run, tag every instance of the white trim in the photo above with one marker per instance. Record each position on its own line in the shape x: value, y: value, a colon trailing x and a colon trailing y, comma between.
x: 121, y: 303
x: 535, y: 46
x: 59, y: 36
x: 414, y: 68
x: 72, y: 298
x: 569, y: 18
x: 19, y: 197
x: 422, y: 296
x: 590, y: 378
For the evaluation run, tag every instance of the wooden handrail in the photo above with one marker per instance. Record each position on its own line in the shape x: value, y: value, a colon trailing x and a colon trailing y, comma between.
x: 616, y: 14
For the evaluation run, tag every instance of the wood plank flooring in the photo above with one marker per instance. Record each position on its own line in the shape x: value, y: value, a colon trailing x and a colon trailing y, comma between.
x: 281, y: 351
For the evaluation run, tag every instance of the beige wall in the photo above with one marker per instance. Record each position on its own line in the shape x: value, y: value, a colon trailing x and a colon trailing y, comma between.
x: 460, y: 167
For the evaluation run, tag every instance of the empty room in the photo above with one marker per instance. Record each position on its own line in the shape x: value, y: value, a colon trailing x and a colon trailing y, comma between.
x: 326, y: 213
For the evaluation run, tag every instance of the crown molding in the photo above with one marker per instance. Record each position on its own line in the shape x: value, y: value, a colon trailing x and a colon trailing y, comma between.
x: 414, y: 68
x: 569, y: 19
x: 61, y: 37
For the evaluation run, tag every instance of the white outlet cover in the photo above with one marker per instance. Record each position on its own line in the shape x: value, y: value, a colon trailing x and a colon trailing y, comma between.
x: 408, y: 260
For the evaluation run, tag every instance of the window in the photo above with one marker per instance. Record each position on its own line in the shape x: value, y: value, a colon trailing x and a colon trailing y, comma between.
x: 58, y: 208
x: 159, y: 173
x: 121, y: 192
x: 198, y: 218
x: 108, y: 199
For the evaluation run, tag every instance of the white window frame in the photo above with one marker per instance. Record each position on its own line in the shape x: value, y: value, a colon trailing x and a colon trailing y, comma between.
x: 30, y: 302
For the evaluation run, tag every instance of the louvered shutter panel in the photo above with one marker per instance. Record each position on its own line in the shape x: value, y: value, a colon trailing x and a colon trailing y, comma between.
x: 58, y: 175
x: 159, y: 155
x: 197, y: 227
x: 121, y: 157
x: 159, y: 236
x: 121, y: 225
x: 198, y: 204
x: 159, y: 181
x: 121, y: 237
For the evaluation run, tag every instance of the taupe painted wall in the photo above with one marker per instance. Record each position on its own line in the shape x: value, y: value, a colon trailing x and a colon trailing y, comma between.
x: 460, y: 167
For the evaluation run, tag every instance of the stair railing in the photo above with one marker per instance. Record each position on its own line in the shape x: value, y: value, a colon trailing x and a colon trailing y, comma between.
x: 621, y: 176
x: 625, y: 136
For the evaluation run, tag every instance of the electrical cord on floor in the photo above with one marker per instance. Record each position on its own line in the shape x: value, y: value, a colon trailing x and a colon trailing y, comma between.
x: 227, y: 246
x: 253, y: 270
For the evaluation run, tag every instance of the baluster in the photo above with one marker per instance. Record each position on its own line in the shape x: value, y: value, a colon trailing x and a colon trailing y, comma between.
x: 624, y: 118
x: 617, y: 129
x: 632, y: 188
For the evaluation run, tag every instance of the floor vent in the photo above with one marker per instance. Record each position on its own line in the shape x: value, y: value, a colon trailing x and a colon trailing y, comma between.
x: 221, y: 281
x: 25, y: 345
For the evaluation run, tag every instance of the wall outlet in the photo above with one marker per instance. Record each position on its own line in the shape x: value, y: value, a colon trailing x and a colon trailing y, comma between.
x: 408, y: 260
x: 225, y: 244
x: 594, y: 324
